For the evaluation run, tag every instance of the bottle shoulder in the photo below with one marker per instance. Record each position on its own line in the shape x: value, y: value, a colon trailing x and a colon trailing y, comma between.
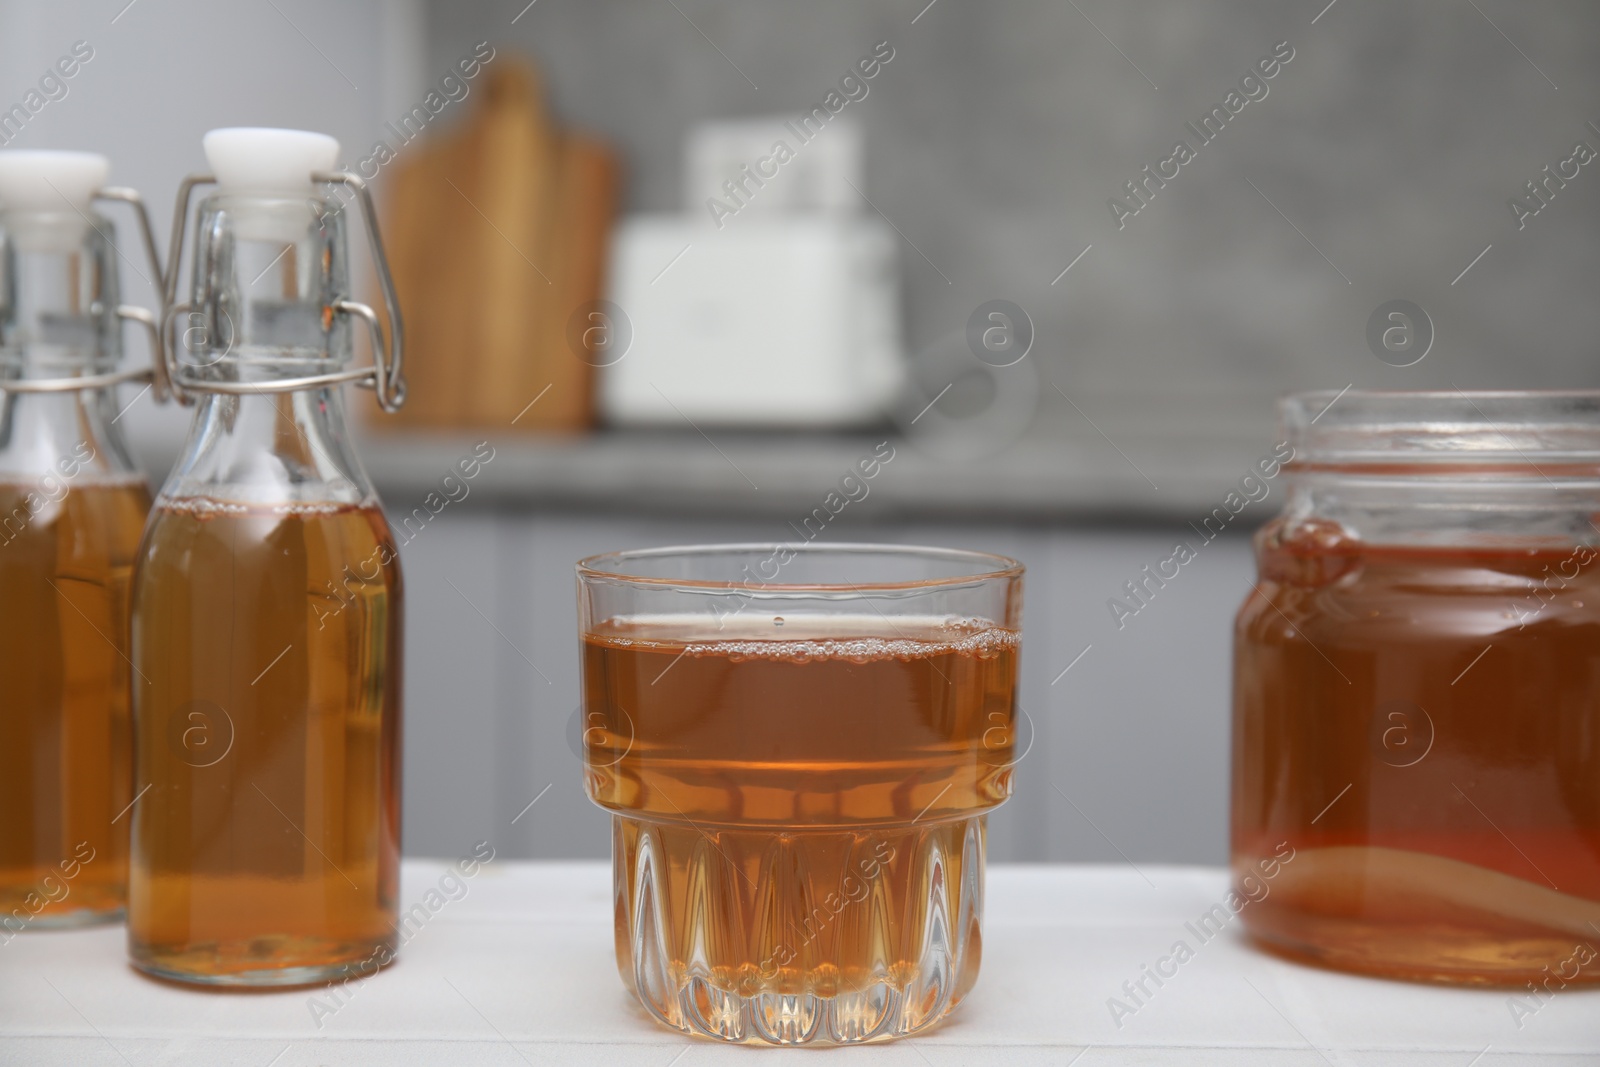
x: 286, y: 451
x: 65, y: 436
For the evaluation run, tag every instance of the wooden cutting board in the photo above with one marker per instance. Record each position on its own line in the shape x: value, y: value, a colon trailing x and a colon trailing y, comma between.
x: 497, y: 233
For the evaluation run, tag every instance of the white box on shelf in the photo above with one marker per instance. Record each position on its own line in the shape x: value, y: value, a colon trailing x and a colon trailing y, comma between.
x: 770, y: 321
x: 819, y: 169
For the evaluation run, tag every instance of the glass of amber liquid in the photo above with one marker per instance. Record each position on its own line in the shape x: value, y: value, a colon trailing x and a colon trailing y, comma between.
x: 267, y: 612
x: 799, y: 746
x: 1417, y: 691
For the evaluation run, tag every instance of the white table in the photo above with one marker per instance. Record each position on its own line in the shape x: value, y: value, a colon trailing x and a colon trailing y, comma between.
x: 520, y: 971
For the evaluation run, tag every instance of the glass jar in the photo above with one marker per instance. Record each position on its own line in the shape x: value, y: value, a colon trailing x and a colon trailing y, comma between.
x: 1416, y: 737
x: 72, y: 507
x: 267, y: 604
x: 799, y: 746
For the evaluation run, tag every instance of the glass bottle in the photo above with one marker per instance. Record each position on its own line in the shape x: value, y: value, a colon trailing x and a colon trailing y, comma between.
x: 1416, y: 779
x: 267, y: 600
x: 72, y: 505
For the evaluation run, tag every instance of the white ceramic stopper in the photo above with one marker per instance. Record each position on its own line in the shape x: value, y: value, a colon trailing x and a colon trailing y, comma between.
x: 264, y: 161
x: 45, y: 181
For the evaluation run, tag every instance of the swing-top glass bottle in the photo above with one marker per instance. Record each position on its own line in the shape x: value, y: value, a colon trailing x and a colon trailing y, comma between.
x: 72, y: 505
x: 266, y: 599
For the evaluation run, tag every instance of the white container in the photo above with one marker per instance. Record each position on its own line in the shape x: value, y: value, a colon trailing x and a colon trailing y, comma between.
x: 822, y: 176
x: 772, y: 321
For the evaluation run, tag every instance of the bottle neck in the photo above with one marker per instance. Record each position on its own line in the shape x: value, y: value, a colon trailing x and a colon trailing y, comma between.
x: 268, y: 273
x: 58, y: 298
x: 275, y: 449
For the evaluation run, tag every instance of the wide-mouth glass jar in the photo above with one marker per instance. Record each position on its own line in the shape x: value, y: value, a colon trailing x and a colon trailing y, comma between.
x: 799, y: 746
x: 1416, y: 745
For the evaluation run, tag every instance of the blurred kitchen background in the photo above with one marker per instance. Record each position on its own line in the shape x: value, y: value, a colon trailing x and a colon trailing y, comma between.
x: 713, y: 372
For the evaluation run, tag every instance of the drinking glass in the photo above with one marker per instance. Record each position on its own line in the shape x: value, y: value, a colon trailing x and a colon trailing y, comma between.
x: 799, y: 746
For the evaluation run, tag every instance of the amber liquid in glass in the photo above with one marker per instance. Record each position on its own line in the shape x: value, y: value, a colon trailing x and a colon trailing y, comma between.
x: 1422, y: 726
x: 266, y: 848
x: 799, y: 814
x: 66, y: 559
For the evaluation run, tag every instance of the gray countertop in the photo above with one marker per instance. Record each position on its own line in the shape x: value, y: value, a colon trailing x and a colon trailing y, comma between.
x: 1039, y: 478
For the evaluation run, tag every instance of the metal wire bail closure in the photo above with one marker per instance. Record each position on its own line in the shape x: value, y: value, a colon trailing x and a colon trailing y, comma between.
x: 156, y: 373
x: 385, y: 377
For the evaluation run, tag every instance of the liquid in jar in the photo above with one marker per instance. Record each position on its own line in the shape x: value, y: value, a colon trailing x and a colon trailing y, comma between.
x: 1419, y: 724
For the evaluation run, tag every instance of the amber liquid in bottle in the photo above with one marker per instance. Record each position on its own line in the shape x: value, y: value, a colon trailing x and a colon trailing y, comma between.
x: 1421, y: 725
x: 66, y: 559
x: 799, y: 814
x: 267, y: 736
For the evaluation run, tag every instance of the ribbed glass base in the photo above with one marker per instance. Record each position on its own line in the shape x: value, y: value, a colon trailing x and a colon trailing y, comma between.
x: 799, y: 937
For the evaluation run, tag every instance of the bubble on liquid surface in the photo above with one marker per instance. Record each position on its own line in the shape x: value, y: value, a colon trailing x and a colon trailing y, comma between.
x: 203, y: 507
x: 968, y: 637
x: 207, y: 507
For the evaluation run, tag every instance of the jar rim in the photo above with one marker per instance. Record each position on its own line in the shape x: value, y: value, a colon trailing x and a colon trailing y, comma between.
x: 1482, y: 429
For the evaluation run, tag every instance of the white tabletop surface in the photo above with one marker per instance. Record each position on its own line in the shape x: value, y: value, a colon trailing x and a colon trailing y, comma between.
x: 519, y: 970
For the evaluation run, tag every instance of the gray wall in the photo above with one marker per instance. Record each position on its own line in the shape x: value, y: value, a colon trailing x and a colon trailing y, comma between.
x: 1135, y: 734
x: 999, y: 131
x: 1387, y: 148
x: 164, y: 73
x: 1378, y: 167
